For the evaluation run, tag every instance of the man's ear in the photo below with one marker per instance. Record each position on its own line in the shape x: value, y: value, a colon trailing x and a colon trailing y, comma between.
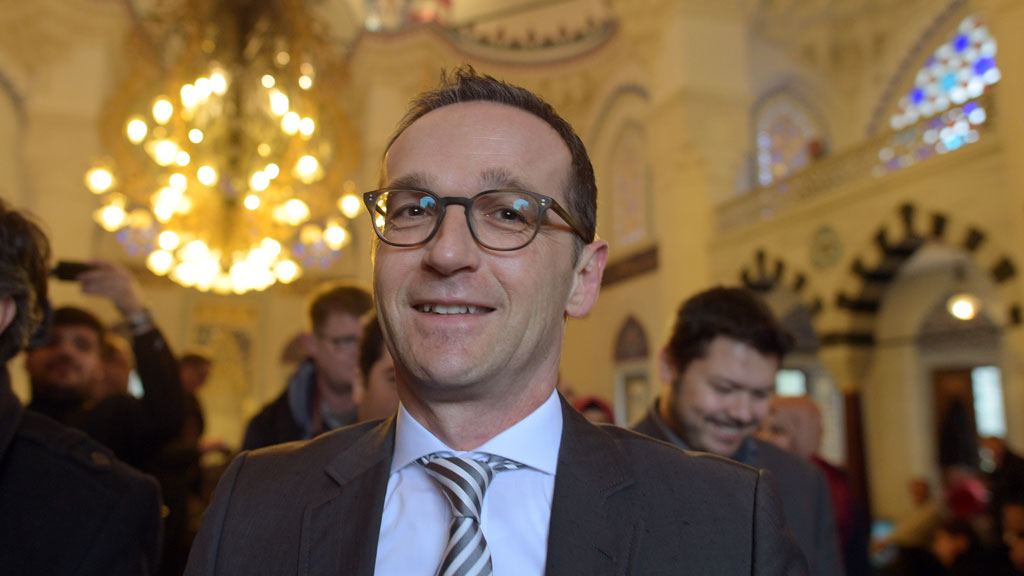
x: 667, y: 371
x: 309, y: 344
x: 8, y: 310
x: 587, y: 279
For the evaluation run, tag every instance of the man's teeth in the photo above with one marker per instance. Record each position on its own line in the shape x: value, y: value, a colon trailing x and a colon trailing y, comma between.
x: 441, y: 309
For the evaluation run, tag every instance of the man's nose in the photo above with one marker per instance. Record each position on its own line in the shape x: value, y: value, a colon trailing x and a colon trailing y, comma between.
x: 453, y: 247
x: 740, y: 408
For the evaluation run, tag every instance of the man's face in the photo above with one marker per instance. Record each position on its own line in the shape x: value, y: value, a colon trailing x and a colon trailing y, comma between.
x: 335, y: 351
x: 465, y: 322
x: 194, y: 375
x: 70, y: 359
x: 721, y: 399
x: 1013, y: 534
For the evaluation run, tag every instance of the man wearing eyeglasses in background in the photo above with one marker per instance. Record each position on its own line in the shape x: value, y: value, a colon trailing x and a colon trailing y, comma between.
x: 318, y: 396
x: 486, y: 469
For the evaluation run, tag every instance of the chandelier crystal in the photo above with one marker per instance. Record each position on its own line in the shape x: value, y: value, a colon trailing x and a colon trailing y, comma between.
x: 229, y: 147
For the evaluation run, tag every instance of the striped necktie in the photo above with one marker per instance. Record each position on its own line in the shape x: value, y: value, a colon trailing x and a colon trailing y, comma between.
x: 464, y: 482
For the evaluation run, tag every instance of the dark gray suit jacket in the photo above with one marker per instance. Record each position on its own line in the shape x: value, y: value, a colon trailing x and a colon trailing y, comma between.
x: 623, y: 504
x: 805, y: 498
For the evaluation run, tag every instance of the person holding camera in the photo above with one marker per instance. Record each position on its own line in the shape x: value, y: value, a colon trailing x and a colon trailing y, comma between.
x: 63, y: 369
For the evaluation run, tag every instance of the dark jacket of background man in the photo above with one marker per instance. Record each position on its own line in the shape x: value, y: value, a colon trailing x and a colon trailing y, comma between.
x: 67, y: 505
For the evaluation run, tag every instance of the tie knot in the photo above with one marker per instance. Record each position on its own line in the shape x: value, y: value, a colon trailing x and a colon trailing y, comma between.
x: 464, y: 480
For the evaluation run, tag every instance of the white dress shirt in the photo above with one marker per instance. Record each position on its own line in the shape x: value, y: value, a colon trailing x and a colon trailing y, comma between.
x: 516, y: 510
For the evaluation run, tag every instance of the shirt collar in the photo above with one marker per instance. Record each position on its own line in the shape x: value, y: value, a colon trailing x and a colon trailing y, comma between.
x: 533, y: 441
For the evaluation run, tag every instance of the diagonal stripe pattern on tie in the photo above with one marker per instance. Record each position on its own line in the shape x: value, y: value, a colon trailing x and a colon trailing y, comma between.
x: 464, y: 482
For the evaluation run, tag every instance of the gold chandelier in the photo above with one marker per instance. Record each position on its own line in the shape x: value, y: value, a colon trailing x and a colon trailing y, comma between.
x: 229, y: 147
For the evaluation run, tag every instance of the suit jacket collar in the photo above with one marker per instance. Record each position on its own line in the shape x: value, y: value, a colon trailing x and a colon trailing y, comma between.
x: 340, y: 529
x: 583, y: 537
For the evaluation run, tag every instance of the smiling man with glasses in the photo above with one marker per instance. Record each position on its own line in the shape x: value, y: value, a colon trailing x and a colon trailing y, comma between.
x: 318, y: 395
x: 486, y: 247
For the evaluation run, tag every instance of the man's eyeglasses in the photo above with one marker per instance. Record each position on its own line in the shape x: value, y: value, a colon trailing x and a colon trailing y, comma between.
x: 339, y: 342
x: 498, y: 219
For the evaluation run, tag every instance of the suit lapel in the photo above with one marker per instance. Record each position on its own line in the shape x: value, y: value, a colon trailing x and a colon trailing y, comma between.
x: 583, y: 537
x: 340, y: 530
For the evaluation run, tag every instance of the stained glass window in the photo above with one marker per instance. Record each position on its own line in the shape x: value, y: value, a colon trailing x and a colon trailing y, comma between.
x: 959, y: 70
x: 948, y: 95
x: 787, y: 139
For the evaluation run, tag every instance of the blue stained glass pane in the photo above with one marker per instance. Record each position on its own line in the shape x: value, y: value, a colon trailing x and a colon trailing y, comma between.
x: 917, y: 95
x: 928, y: 63
x: 970, y: 107
x: 984, y: 65
x: 954, y: 142
x: 298, y: 249
x: 948, y: 81
x: 961, y: 42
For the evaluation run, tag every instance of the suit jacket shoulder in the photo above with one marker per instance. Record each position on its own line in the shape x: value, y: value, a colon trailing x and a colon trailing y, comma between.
x: 47, y: 470
x: 625, y: 503
x: 808, y: 504
x: 310, y: 507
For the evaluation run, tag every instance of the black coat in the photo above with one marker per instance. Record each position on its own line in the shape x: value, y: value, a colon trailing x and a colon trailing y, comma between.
x: 67, y: 506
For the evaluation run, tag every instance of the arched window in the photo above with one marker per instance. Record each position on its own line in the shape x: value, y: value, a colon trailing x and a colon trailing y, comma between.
x: 944, y: 110
x: 788, y: 138
x: 959, y: 70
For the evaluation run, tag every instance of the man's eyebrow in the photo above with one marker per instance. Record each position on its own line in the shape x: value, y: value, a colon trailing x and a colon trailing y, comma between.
x: 493, y: 178
x: 490, y: 179
x: 414, y: 180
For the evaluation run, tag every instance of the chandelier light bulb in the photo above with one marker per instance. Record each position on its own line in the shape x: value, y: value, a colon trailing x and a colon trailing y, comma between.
x: 162, y: 111
x: 259, y: 181
x: 305, y: 82
x: 163, y: 213
x: 296, y: 210
x: 195, y: 251
x: 310, y: 234
x: 268, y: 81
x: 185, y: 274
x: 350, y: 205
x: 286, y: 271
x: 99, y: 180
x: 290, y: 123
x: 160, y: 262
x: 207, y: 175
x: 263, y: 149
x: 111, y: 217
x: 218, y: 83
x: 272, y: 171
x: 307, y: 167
x: 271, y: 246
x: 168, y: 240
x: 334, y: 237
x: 178, y: 181
x: 251, y: 202
x: 283, y: 58
x: 182, y: 158
x: 189, y: 96
x: 195, y: 135
x: 306, y: 126
x: 136, y: 130
x: 165, y: 152
x: 278, y: 103
x: 203, y: 88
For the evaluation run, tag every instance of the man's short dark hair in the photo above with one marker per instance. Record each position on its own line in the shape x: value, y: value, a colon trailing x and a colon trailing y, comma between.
x: 371, y: 345
x: 734, y: 312
x: 338, y: 298
x: 464, y: 84
x: 24, y: 257
x: 72, y: 316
